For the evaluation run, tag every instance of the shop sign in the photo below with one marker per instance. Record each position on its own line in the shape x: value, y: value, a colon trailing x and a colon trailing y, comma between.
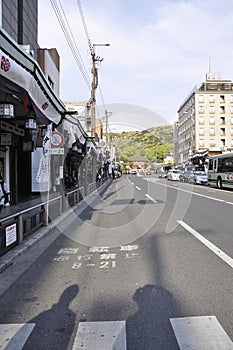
x: 11, y: 234
x: 57, y: 150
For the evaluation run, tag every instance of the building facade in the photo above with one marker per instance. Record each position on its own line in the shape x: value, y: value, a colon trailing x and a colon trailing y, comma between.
x: 205, y: 119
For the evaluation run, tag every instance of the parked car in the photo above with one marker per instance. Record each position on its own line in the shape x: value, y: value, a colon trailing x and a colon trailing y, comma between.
x: 198, y: 177
x: 133, y: 172
x: 173, y: 174
x: 163, y: 174
x: 184, y: 176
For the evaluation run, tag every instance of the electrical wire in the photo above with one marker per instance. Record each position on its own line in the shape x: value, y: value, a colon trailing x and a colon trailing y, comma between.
x: 62, y: 19
x: 85, y: 26
x: 89, y: 44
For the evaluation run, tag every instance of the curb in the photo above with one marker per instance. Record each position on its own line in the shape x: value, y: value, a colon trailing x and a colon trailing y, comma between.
x: 10, y: 257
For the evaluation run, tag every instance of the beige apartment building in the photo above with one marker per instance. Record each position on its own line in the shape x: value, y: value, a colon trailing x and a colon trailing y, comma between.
x: 205, y: 119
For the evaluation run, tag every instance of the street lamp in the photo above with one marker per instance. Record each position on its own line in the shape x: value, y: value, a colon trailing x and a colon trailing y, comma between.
x: 94, y: 85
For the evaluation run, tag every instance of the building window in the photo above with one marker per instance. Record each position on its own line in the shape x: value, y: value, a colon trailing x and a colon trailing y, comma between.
x: 212, y: 131
x: 211, y: 98
x: 201, y: 98
x: 222, y: 142
x: 231, y: 109
x: 222, y: 120
x: 212, y: 120
x: 222, y: 98
x: 222, y: 132
x: 201, y: 120
x: 222, y: 109
x: 211, y: 109
x: 201, y: 109
x: 231, y: 142
x: 201, y: 131
x: 231, y: 120
x: 231, y: 131
x: 231, y: 98
x: 212, y: 142
x: 201, y: 142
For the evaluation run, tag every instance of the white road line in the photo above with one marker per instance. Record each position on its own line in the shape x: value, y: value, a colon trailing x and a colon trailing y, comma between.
x: 200, y: 333
x: 215, y: 199
x: 132, y: 183
x: 195, y: 193
x: 100, y: 335
x: 138, y: 188
x: 208, y: 244
x: 151, y: 199
x: 14, y: 336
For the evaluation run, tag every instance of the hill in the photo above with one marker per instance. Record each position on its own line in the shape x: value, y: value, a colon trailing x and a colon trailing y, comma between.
x: 151, y: 143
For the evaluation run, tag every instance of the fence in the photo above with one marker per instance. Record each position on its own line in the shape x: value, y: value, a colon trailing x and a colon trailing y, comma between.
x: 15, y: 228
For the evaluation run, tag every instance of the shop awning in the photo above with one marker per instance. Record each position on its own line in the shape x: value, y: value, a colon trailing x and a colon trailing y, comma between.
x: 15, y: 79
x: 75, y: 132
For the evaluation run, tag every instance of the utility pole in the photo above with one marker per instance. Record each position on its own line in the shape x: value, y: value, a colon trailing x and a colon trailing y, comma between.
x: 94, y: 71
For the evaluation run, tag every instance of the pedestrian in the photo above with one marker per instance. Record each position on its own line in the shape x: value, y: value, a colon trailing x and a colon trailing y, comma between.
x: 4, y: 194
x: 110, y: 170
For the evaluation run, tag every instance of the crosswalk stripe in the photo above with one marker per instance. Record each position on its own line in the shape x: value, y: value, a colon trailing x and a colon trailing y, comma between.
x: 196, y: 333
x: 100, y: 335
x: 200, y: 333
x: 14, y: 336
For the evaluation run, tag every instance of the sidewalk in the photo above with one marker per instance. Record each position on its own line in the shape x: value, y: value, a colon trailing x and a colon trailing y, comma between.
x: 9, y: 258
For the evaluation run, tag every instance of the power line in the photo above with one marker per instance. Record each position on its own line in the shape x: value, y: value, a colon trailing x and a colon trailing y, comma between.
x: 85, y: 26
x: 64, y: 24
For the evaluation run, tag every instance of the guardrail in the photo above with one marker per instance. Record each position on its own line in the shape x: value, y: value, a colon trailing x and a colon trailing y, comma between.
x: 15, y: 228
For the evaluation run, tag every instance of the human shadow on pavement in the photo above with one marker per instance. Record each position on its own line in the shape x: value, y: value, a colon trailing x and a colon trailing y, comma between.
x: 149, y: 328
x: 54, y: 327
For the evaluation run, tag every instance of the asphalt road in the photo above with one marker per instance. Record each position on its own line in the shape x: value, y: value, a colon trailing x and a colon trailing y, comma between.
x: 147, y: 265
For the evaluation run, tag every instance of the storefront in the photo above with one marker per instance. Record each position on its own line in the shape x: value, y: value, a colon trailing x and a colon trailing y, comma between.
x: 27, y: 106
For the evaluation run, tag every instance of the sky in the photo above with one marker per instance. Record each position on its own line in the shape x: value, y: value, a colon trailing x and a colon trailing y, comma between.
x: 159, y: 49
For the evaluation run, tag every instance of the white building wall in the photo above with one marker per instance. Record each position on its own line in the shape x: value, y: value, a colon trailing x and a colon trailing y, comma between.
x: 51, y: 72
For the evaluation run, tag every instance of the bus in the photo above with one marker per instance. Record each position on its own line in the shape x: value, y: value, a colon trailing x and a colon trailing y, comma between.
x: 220, y: 170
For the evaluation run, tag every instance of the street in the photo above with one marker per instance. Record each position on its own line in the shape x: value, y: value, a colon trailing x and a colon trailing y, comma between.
x: 147, y: 265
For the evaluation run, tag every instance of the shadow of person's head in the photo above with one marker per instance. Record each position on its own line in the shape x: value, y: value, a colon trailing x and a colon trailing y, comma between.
x: 150, y: 328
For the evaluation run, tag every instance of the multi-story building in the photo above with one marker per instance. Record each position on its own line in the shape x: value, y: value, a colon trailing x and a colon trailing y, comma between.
x: 205, y: 119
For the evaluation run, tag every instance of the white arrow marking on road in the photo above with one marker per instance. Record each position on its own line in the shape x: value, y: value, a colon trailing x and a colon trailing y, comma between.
x: 100, y: 335
x: 208, y: 244
x: 151, y: 199
x: 200, y: 333
x: 138, y: 188
x: 14, y: 336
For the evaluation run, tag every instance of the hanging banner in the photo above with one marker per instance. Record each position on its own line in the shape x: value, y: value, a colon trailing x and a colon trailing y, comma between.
x: 43, y: 174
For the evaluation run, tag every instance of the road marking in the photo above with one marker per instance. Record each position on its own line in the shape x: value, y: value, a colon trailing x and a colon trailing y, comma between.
x: 200, y: 333
x: 196, y: 193
x: 215, y: 199
x: 208, y: 244
x: 100, y: 335
x: 151, y: 199
x: 14, y: 336
x: 138, y: 188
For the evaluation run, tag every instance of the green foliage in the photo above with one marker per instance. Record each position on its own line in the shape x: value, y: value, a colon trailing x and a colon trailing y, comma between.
x: 152, y: 143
